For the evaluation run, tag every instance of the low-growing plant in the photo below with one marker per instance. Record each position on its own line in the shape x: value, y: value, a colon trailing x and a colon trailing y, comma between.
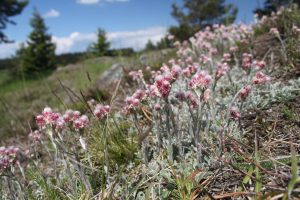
x: 177, y: 133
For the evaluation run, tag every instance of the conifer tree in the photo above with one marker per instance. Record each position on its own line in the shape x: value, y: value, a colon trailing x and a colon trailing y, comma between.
x: 38, y: 55
x: 197, y: 14
x: 150, y: 46
x: 101, y: 46
x: 9, y: 8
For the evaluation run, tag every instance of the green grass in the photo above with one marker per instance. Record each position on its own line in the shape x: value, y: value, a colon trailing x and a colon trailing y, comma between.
x: 21, y: 100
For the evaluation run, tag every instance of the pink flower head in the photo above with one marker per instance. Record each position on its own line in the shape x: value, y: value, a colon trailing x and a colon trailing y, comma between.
x: 48, y: 115
x: 176, y: 70
x: 274, y: 31
x: 193, y: 68
x: 222, y: 70
x: 60, y: 123
x: 244, y: 93
x: 233, y: 49
x: 47, y: 111
x: 165, y: 68
x: 295, y: 29
x: 35, y: 136
x: 235, y: 114
x: 40, y: 121
x: 259, y: 64
x: 81, y: 122
x: 139, y: 94
x: 247, y: 61
x: 205, y: 59
x: 68, y: 116
x: 135, y: 102
x: 152, y: 91
x: 186, y: 72
x: 76, y: 114
x: 101, y: 111
x: 157, y: 106
x: 206, y: 95
x: 226, y: 57
x: 260, y: 78
x: 136, y: 75
x: 189, y: 60
x: 201, y: 79
x: 2, y: 151
x: 163, y: 85
x: 191, y: 99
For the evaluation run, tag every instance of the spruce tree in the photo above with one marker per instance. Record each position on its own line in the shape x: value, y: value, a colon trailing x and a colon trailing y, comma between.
x: 150, y: 46
x: 9, y: 8
x: 198, y: 14
x: 38, y: 55
x: 101, y: 46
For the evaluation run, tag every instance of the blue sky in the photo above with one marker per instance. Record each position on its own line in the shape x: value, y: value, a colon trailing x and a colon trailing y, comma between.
x: 129, y: 23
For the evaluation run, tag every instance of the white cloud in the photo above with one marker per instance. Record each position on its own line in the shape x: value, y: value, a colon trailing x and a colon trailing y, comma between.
x: 8, y: 49
x: 74, y: 42
x: 135, y: 39
x: 51, y: 13
x: 77, y: 42
x: 88, y: 2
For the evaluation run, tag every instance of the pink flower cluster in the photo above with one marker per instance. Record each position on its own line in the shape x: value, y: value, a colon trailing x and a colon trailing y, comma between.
x: 101, y: 111
x: 81, y: 122
x: 136, y: 75
x: 188, y: 97
x: 247, y: 61
x: 201, y: 79
x: 48, y: 117
x: 190, y: 70
x: 163, y: 84
x: 259, y: 64
x: 274, y: 31
x: 176, y: 71
x: 59, y: 122
x: 295, y: 29
x: 260, y: 78
x: 8, y: 156
x: 244, y: 93
x: 234, y: 113
x: 35, y: 135
x: 222, y: 70
x: 226, y: 57
x: 134, y: 100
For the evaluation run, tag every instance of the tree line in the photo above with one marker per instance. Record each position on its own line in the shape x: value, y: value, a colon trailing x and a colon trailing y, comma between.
x: 37, y: 54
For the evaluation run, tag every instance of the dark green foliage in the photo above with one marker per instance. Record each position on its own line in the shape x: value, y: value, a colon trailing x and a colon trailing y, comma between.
x: 101, y: 46
x: 150, y: 46
x: 272, y: 6
x: 120, y: 52
x: 198, y: 14
x: 69, y: 58
x: 38, y: 56
x: 121, y: 146
x: 9, y: 8
x: 182, y: 32
x: 164, y: 43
